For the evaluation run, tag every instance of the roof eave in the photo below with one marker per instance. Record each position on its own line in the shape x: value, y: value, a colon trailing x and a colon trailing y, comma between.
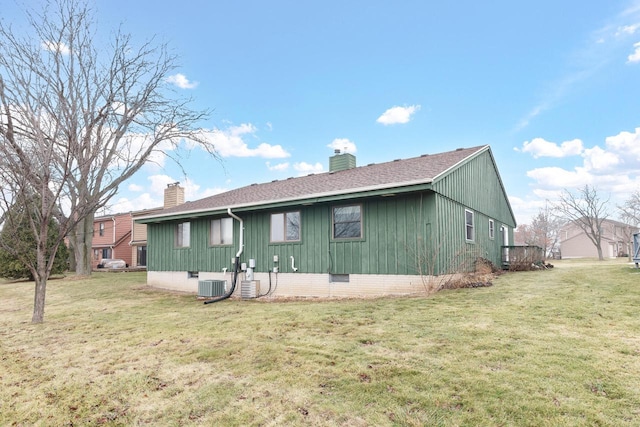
x: 372, y: 191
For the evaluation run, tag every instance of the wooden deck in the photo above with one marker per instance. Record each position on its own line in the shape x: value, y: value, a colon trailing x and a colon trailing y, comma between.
x: 518, y: 258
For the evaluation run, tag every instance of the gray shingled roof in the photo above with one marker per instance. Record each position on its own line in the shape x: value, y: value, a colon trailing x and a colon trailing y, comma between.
x: 394, y: 174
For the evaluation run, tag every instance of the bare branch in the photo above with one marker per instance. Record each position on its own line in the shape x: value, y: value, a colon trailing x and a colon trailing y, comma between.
x: 586, y: 210
x: 76, y: 120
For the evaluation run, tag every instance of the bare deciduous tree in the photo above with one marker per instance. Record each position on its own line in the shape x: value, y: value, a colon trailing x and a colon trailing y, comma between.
x: 630, y: 210
x: 78, y: 119
x: 546, y: 228
x: 33, y: 171
x: 630, y: 214
x: 586, y: 210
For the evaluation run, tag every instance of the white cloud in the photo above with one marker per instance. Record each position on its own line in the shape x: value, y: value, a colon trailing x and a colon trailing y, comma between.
x: 635, y: 56
x: 625, y: 142
x: 598, y: 160
x: 279, y: 167
x: 306, y: 168
x: 539, y: 147
x: 627, y: 29
x: 230, y: 143
x: 545, y: 195
x: 395, y: 115
x: 181, y: 81
x: 627, y: 147
x: 615, y: 168
x: 154, y: 197
x: 159, y: 183
x: 133, y: 144
x: 56, y: 47
x: 123, y: 204
x: 557, y: 178
x: 344, y: 145
x: 135, y: 188
x: 524, y: 210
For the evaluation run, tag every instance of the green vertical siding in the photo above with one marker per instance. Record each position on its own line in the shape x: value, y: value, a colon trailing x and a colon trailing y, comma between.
x: 387, y: 245
x: 395, y: 230
x: 476, y: 184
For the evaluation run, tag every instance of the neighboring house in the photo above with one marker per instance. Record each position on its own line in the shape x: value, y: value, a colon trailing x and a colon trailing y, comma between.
x: 173, y: 196
x: 111, y: 235
x: 119, y: 236
x: 138, y: 241
x: 352, y: 231
x: 617, y: 238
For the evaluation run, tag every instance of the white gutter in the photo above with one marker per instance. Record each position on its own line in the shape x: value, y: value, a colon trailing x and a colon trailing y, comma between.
x: 237, y: 218
x: 297, y: 198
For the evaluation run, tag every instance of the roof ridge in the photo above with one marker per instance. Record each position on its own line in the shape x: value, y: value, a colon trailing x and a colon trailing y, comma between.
x: 418, y: 170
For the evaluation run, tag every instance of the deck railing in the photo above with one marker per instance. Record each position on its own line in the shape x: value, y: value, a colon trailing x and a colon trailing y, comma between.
x: 519, y: 258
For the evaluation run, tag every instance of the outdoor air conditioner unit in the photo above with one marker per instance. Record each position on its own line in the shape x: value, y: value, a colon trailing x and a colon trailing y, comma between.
x: 211, y: 288
x: 249, y: 289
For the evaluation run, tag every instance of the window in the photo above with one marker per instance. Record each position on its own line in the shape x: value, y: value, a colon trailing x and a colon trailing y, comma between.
x: 183, y: 235
x: 492, y: 229
x: 221, y: 231
x: 469, y: 227
x: 347, y: 222
x: 101, y: 229
x: 142, y: 256
x: 106, y: 253
x: 285, y: 227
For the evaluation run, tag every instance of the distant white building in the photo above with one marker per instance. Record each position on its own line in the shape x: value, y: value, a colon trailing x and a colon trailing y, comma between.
x: 617, y: 240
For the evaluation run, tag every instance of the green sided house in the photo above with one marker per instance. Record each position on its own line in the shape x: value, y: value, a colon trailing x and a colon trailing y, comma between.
x: 352, y: 231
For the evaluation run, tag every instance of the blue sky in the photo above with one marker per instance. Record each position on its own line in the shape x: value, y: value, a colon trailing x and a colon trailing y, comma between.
x: 552, y: 86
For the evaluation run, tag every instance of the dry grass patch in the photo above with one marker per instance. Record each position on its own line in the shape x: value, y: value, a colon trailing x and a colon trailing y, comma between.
x: 556, y: 347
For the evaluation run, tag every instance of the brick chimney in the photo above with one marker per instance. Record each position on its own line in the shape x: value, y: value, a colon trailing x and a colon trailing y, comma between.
x: 173, y: 195
x: 341, y: 161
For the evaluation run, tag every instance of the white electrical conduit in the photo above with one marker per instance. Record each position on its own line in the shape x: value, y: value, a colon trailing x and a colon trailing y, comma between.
x: 293, y: 264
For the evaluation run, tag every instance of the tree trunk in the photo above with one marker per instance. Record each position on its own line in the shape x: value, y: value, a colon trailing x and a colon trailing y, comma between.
x: 600, y: 256
x: 40, y: 274
x: 82, y: 245
x: 38, y: 300
x: 72, y: 253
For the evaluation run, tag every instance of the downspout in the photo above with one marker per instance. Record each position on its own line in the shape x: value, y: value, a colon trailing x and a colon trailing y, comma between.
x: 132, y: 224
x: 236, y: 267
x: 132, y: 251
x: 113, y: 246
x: 237, y: 218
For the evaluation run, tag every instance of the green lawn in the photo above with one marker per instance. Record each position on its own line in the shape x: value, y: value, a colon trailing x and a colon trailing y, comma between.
x: 546, y: 348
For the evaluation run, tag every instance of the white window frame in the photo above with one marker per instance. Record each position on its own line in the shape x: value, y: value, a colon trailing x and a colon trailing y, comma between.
x: 221, y: 232
x: 333, y: 222
x: 282, y: 232
x: 183, y: 235
x: 101, y: 229
x: 469, y: 227
x: 492, y: 229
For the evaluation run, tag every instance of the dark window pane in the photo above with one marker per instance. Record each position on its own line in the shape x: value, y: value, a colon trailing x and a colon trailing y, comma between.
x: 293, y: 226
x: 347, y: 222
